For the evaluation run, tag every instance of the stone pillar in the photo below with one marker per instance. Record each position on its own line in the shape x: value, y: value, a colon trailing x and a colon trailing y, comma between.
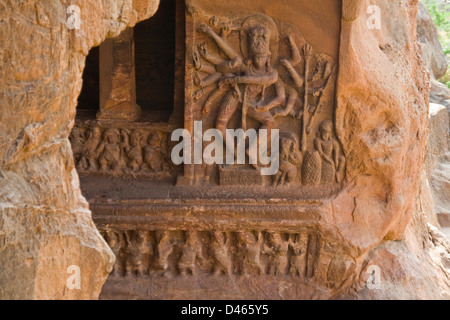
x: 117, y: 79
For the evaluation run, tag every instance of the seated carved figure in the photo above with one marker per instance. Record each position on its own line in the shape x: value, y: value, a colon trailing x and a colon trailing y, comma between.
x: 290, y: 159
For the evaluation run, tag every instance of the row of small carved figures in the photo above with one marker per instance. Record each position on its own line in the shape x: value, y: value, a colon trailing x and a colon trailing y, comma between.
x: 119, y: 150
x: 189, y: 253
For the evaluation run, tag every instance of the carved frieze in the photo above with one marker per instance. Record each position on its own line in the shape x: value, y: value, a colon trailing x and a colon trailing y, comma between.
x: 121, y: 151
x: 143, y: 253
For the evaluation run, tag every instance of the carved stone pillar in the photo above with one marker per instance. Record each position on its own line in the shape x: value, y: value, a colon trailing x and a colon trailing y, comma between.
x: 117, y: 79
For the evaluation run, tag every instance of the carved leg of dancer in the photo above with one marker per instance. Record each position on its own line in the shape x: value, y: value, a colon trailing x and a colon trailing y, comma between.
x: 227, y: 109
x: 268, y: 123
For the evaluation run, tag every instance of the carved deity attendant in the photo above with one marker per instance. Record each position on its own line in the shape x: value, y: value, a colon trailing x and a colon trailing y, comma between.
x: 290, y: 158
x: 277, y: 250
x: 329, y: 151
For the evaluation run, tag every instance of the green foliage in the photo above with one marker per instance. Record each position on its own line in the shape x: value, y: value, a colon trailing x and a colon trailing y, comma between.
x: 440, y: 12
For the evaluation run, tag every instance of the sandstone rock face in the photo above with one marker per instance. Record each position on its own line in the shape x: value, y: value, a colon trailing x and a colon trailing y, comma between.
x: 440, y: 93
x: 45, y: 223
x: 438, y: 162
x: 382, y: 118
x: 438, y: 145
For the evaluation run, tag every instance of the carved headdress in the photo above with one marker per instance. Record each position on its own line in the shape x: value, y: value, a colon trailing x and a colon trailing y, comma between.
x: 259, y: 35
x: 290, y: 136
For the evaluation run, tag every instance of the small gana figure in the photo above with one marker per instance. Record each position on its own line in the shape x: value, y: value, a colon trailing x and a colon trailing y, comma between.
x: 153, y: 155
x: 290, y: 159
x: 333, y: 163
x: 109, y: 150
x: 250, y: 252
x: 133, y: 150
x: 189, y: 252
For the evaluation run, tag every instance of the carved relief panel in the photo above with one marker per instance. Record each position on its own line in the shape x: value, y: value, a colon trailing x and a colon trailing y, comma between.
x: 122, y: 149
x: 254, y: 71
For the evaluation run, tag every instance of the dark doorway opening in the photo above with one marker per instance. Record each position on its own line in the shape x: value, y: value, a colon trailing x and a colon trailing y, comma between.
x: 155, y: 62
x: 89, y: 99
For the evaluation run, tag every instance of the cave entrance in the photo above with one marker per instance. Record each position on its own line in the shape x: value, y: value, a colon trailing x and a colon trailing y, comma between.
x: 131, y: 101
x: 132, y: 77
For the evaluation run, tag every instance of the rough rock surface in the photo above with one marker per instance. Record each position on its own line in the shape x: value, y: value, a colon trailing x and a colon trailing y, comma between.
x: 382, y: 119
x: 438, y: 162
x: 439, y: 136
x: 438, y: 159
x: 45, y: 223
